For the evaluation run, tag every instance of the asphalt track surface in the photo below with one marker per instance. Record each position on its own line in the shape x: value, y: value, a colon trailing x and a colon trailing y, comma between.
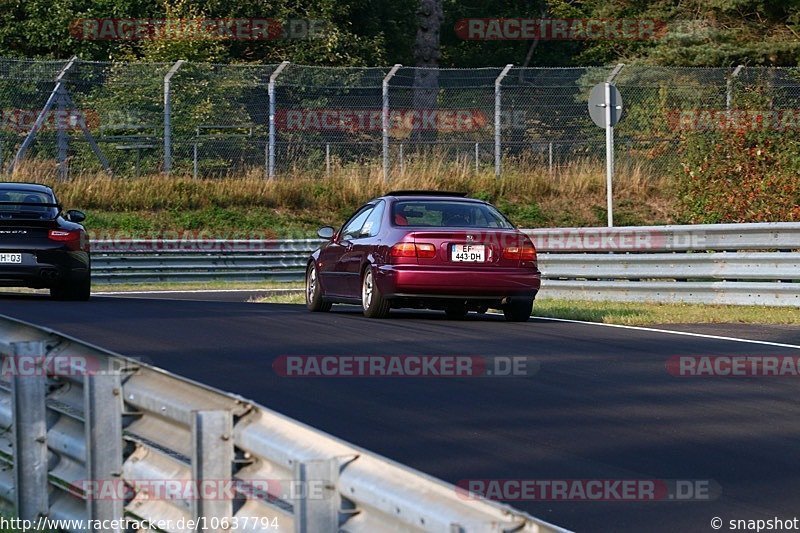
x: 601, y: 406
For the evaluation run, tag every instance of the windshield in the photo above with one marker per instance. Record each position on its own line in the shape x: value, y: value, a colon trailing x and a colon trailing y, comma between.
x: 27, y: 205
x: 448, y: 214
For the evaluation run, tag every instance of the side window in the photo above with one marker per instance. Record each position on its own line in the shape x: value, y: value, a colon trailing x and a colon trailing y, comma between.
x: 373, y: 223
x: 352, y: 229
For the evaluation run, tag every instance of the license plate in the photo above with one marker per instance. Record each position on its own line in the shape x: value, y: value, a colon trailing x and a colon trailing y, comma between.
x: 468, y: 253
x: 13, y: 259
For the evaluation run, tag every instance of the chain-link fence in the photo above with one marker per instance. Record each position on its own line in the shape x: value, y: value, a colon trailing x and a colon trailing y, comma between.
x: 206, y: 120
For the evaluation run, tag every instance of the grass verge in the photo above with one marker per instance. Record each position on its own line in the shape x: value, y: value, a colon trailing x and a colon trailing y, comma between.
x: 636, y: 314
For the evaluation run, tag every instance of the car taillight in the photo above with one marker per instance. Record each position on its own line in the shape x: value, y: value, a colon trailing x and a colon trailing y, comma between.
x: 75, y: 240
x: 404, y: 249
x: 409, y: 249
x: 526, y: 252
x: 426, y: 251
x: 511, y: 252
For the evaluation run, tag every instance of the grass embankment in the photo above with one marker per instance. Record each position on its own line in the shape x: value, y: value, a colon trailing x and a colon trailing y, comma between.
x: 296, y: 205
x: 635, y: 314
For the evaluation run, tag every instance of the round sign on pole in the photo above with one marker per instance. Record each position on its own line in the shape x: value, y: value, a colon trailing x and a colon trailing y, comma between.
x: 597, y: 104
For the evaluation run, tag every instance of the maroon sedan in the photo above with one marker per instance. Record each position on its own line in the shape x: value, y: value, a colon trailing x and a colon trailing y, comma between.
x: 425, y: 250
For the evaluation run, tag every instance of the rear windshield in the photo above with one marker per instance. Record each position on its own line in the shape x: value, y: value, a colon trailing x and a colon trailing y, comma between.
x: 28, y: 205
x: 448, y: 214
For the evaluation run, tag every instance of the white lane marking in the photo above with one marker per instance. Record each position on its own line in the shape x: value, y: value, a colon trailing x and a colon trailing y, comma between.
x: 673, y: 332
x: 623, y: 326
x: 193, y: 291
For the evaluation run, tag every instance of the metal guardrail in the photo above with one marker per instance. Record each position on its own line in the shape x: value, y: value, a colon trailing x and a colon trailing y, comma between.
x: 79, y: 418
x: 751, y: 264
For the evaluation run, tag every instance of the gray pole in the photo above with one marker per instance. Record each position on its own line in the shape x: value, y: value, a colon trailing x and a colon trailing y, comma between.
x: 385, y: 120
x: 610, y: 145
x: 729, y: 91
x: 168, y: 116
x: 57, y: 93
x: 271, y: 92
x: 62, y: 140
x: 328, y: 159
x: 609, y: 157
x: 497, y: 119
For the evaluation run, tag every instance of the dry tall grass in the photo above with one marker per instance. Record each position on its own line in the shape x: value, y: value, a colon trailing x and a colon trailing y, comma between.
x: 578, y: 186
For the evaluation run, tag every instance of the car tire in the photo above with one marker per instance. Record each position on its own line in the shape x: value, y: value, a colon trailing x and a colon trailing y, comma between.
x: 456, y: 311
x: 372, y: 301
x: 79, y: 291
x: 314, y: 301
x: 518, y: 310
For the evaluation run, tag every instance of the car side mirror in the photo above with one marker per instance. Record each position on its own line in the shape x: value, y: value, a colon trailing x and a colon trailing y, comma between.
x: 73, y: 215
x: 325, y: 232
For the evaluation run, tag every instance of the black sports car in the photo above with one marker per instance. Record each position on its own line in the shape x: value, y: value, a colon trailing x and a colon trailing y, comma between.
x: 40, y: 246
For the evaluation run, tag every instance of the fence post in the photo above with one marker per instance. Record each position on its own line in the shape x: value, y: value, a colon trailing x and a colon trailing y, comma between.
x: 168, y: 116
x: 317, y: 508
x: 103, y: 428
x: 28, y: 411
x: 54, y: 95
x: 729, y: 88
x: 212, y: 462
x: 610, y: 146
x: 497, y: 119
x: 271, y: 92
x: 385, y: 119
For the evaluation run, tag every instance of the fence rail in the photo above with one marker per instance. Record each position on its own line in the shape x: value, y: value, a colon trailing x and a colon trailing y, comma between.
x: 755, y: 264
x: 83, y: 421
x: 268, y: 119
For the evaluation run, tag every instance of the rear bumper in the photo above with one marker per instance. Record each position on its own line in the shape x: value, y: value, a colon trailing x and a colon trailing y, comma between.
x: 400, y: 281
x: 46, y: 269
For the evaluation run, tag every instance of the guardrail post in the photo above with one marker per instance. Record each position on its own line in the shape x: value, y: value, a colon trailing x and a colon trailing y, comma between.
x: 317, y: 507
x: 212, y: 462
x: 102, y: 394
x: 497, y: 119
x: 168, y: 116
x: 271, y: 92
x: 385, y: 119
x: 28, y: 392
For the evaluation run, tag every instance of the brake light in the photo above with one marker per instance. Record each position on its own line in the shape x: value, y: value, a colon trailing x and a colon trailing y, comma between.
x: 75, y: 240
x: 526, y: 252
x: 409, y: 249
